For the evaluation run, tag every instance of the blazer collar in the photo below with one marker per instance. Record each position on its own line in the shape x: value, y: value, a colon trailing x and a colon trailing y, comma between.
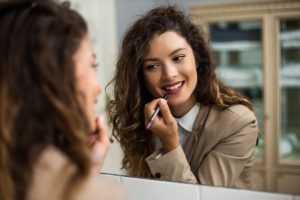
x: 187, y: 120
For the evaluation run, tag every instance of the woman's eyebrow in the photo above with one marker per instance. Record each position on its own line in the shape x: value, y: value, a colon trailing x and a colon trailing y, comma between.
x: 150, y: 59
x: 175, y: 51
x: 171, y: 54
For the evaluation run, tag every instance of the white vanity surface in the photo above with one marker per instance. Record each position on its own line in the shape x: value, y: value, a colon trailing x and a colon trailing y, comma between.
x: 145, y: 189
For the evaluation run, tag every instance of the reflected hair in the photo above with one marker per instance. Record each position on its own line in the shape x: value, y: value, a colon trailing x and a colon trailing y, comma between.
x: 126, y: 107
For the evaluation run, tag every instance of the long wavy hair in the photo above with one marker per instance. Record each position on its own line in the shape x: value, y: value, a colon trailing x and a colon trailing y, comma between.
x: 126, y: 107
x: 39, y: 104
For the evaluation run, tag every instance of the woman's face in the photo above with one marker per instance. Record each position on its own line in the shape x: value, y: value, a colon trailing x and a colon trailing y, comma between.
x: 87, y: 82
x: 170, y: 66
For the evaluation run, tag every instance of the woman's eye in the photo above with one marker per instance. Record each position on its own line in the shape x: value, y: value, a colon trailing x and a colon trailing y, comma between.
x: 178, y: 58
x: 152, y: 66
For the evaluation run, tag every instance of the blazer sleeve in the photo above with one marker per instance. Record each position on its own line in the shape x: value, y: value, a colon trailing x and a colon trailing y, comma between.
x: 172, y: 166
x: 222, y: 164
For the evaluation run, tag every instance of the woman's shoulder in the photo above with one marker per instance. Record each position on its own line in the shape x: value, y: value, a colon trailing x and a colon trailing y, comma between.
x: 230, y: 121
x: 231, y: 118
x: 52, y: 172
x: 233, y: 111
x: 49, y: 175
x: 51, y: 158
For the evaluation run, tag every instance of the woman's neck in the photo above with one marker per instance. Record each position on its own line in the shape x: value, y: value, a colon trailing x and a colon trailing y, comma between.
x: 180, y: 110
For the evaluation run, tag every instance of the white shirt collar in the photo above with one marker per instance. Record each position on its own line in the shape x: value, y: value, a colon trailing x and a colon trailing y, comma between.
x: 187, y: 120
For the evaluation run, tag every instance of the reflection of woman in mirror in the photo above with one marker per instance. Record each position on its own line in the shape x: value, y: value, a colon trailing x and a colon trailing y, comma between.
x: 52, y: 146
x: 206, y: 132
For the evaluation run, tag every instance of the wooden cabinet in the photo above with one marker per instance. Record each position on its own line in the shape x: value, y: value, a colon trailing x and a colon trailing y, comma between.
x: 257, y: 51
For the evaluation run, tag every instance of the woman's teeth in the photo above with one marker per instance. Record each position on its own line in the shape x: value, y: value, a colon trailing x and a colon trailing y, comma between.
x: 174, y: 87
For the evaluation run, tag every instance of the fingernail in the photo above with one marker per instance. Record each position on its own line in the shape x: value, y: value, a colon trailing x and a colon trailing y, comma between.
x: 163, y: 101
x: 100, y: 120
x: 111, y: 140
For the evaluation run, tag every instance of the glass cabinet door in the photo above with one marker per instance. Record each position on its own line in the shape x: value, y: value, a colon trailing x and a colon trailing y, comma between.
x: 290, y: 88
x: 238, y: 51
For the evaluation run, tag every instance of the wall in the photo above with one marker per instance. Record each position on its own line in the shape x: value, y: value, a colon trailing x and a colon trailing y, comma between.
x: 101, y: 18
x: 127, y: 11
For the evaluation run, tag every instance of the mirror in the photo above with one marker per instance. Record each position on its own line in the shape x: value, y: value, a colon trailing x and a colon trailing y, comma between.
x: 257, y: 48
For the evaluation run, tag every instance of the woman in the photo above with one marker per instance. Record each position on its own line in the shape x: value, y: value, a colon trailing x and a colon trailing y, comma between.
x: 51, y: 145
x: 206, y: 132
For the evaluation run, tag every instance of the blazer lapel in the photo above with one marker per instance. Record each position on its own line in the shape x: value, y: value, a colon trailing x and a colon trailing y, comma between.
x: 196, y: 132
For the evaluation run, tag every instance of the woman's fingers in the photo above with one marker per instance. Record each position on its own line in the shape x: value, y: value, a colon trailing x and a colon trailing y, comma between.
x: 149, y: 109
x: 102, y: 131
x: 164, y: 126
x: 100, y: 144
x: 165, y: 112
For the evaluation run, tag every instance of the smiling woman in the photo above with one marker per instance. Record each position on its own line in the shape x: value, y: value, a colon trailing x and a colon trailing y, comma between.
x: 206, y: 132
x: 170, y: 57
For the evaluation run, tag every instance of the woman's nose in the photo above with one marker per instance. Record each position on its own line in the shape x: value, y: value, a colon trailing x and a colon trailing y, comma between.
x: 170, y: 71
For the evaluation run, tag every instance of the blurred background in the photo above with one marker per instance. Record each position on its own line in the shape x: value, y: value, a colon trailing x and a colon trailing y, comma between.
x: 256, y: 47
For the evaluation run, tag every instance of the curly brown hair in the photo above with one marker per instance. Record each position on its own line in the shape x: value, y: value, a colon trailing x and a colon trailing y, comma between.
x: 126, y: 108
x: 39, y: 105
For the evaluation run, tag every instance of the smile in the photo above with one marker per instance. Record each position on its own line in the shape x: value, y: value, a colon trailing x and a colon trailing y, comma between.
x: 171, y: 88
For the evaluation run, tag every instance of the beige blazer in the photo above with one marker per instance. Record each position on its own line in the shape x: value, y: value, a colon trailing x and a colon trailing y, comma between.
x: 47, y: 182
x: 219, y: 152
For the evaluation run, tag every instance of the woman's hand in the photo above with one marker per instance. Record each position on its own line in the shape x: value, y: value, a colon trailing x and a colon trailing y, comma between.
x: 100, y: 144
x: 164, y: 126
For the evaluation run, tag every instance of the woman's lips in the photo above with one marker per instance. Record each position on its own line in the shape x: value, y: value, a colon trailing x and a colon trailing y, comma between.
x: 174, y: 88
